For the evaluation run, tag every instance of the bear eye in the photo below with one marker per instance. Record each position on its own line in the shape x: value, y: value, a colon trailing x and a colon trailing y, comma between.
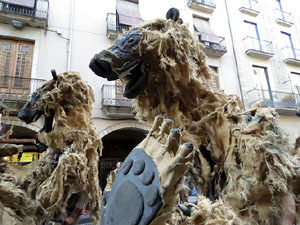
x: 131, y: 40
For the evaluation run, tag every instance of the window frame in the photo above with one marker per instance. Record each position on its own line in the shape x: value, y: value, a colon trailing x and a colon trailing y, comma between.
x: 257, y: 33
x: 16, y: 78
x: 291, y: 46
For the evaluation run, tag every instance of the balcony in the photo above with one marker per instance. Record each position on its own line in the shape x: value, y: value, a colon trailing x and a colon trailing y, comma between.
x: 285, y: 103
x: 291, y: 56
x: 114, y: 104
x: 283, y: 18
x: 113, y: 28
x: 215, y: 46
x: 20, y: 16
x: 258, y: 48
x: 250, y: 7
x: 202, y: 5
x: 15, y: 91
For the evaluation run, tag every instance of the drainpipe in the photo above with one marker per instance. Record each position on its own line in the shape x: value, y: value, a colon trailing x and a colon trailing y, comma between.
x: 234, y: 54
x: 69, y: 51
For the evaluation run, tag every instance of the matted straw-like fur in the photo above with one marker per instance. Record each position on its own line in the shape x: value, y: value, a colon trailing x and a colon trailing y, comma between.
x: 253, y: 171
x: 74, y: 138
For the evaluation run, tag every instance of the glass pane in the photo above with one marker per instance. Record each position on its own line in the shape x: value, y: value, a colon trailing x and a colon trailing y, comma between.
x: 254, y: 36
x: 251, y: 27
x: 24, y: 49
x: 5, y: 61
x: 23, y: 66
x: 286, y: 39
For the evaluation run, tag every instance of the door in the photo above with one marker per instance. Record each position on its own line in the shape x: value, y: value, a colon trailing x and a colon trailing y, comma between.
x: 215, y: 78
x: 15, y: 66
x: 295, y: 83
x: 253, y: 34
x: 261, y: 83
x: 288, y: 44
x: 280, y: 9
x: 250, y: 4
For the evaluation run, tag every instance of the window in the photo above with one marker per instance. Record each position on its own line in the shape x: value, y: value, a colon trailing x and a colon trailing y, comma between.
x: 128, y: 14
x: 251, y: 3
x: 214, y: 78
x: 15, y: 64
x: 280, y: 9
x: 206, y: 34
x: 295, y: 82
x: 253, y: 35
x: 279, y: 4
x: 288, y: 43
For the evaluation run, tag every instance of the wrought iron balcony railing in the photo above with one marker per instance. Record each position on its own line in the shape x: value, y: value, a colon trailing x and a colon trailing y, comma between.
x: 291, y: 56
x: 291, y: 53
x: 258, y: 48
x: 257, y: 44
x: 40, y: 9
x: 18, y: 88
x: 285, y: 18
x: 207, y: 3
x: 215, y: 46
x: 275, y: 99
x: 112, y: 95
x: 212, y: 41
x: 249, y: 7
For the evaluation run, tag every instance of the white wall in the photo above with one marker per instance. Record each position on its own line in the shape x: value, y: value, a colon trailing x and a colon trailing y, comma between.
x: 89, y: 37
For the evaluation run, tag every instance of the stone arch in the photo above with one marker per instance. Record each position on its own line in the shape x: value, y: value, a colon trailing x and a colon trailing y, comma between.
x: 119, y: 126
x: 33, y: 127
x: 118, y: 141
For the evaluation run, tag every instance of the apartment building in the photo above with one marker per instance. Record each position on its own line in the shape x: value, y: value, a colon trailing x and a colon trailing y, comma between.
x: 252, y: 45
x: 265, y: 35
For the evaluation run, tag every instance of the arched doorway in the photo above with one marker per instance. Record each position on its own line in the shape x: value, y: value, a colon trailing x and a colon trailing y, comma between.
x: 116, y: 146
x: 23, y: 134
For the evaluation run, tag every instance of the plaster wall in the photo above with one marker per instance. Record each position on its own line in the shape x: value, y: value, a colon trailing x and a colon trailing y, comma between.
x: 88, y: 36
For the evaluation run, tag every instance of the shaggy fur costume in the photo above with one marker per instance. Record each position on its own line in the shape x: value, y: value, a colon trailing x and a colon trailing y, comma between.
x: 74, y: 138
x: 15, y: 205
x: 251, y: 169
x: 70, y: 164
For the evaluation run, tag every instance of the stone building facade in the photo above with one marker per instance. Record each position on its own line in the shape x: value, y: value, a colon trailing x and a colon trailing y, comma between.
x: 252, y: 45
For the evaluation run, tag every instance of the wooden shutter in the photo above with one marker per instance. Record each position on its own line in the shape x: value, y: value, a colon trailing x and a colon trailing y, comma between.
x: 15, y: 66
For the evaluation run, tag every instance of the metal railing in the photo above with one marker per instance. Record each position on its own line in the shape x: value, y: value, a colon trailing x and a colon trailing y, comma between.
x: 250, y: 4
x: 258, y: 45
x: 212, y: 41
x: 18, y: 88
x: 285, y: 16
x: 112, y: 95
x: 290, y: 53
x: 208, y: 3
x: 39, y: 11
x: 275, y: 99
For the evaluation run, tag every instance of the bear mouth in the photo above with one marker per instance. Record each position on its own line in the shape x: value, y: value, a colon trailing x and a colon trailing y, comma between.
x: 136, y: 82
x: 30, y: 115
x: 131, y: 72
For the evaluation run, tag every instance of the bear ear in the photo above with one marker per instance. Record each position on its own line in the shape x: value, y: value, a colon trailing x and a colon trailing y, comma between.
x: 173, y: 14
x: 54, y: 75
